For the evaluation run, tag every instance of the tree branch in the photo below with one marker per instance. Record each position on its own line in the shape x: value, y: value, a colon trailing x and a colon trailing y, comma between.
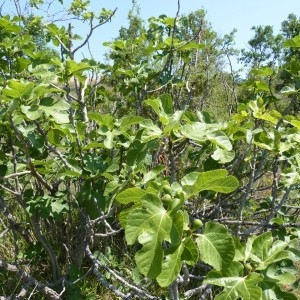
x: 137, y: 290
x: 31, y: 281
x: 92, y: 28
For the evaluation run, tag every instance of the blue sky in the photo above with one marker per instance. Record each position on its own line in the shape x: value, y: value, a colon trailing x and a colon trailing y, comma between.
x: 224, y: 16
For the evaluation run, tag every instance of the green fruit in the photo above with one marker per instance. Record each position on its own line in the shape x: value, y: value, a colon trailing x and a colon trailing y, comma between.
x: 255, y: 265
x: 248, y: 267
x: 166, y: 198
x: 197, y: 224
x: 180, y: 194
x: 167, y: 189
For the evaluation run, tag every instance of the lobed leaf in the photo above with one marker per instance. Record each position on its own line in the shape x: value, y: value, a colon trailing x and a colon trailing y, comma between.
x: 216, y: 246
x: 151, y: 224
x: 130, y: 195
x: 245, y: 288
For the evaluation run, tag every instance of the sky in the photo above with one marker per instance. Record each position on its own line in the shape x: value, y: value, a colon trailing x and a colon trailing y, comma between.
x: 224, y: 16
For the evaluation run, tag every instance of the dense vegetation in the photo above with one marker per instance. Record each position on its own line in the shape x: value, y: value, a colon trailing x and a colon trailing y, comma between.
x: 157, y: 173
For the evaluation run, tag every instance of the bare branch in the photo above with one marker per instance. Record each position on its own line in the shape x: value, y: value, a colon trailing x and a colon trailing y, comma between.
x: 198, y: 290
x: 4, y: 232
x: 110, y: 233
x: 34, y: 172
x: 92, y: 28
x: 263, y: 224
x: 9, y: 190
x: 43, y: 288
x: 62, y: 43
x: 97, y: 263
x: 16, y: 174
x: 101, y: 278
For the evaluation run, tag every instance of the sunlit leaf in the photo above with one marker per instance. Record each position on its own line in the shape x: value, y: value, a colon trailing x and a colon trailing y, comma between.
x: 265, y: 252
x: 237, y: 287
x: 262, y: 71
x: 289, y: 89
x: 292, y: 43
x: 31, y: 112
x: 151, y: 224
x: 174, y: 259
x: 220, y: 138
x: 223, y: 156
x: 216, y: 246
x: 216, y: 180
x: 272, y: 291
x: 130, y: 195
x: 17, y: 89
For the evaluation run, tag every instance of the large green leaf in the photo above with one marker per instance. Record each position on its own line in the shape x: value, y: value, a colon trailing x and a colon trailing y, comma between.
x: 173, y: 262
x: 216, y: 246
x: 76, y: 68
x: 190, y: 252
x: 106, y: 120
x: 171, y: 266
x: 296, y: 123
x: 153, y: 174
x: 272, y: 291
x: 127, y: 121
x: 162, y: 106
x: 155, y: 104
x: 190, y: 179
x: 289, y: 89
x: 109, y: 140
x: 262, y: 71
x: 31, y: 112
x: 196, y: 131
x: 261, y: 86
x: 130, y: 195
x: 9, y: 26
x: 235, y: 288
x: 137, y: 154
x: 149, y: 258
x: 223, y: 156
x: 151, y: 131
x: 151, y: 224
x: 292, y: 43
x: 55, y: 108
x: 221, y: 139
x: 201, y: 132
x: 17, y: 89
x: 215, y: 180
x: 261, y: 245
x: 281, y: 273
x: 225, y: 185
x: 267, y: 116
x: 51, y: 105
x: 265, y: 252
x: 166, y: 103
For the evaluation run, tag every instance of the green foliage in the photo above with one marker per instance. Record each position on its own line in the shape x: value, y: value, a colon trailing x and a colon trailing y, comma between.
x: 127, y: 182
x: 237, y: 287
x: 260, y: 256
x: 216, y: 246
x: 215, y: 180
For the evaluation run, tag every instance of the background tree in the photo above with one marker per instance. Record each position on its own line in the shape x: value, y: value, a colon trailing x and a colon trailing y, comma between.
x: 192, y: 73
x: 264, y: 48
